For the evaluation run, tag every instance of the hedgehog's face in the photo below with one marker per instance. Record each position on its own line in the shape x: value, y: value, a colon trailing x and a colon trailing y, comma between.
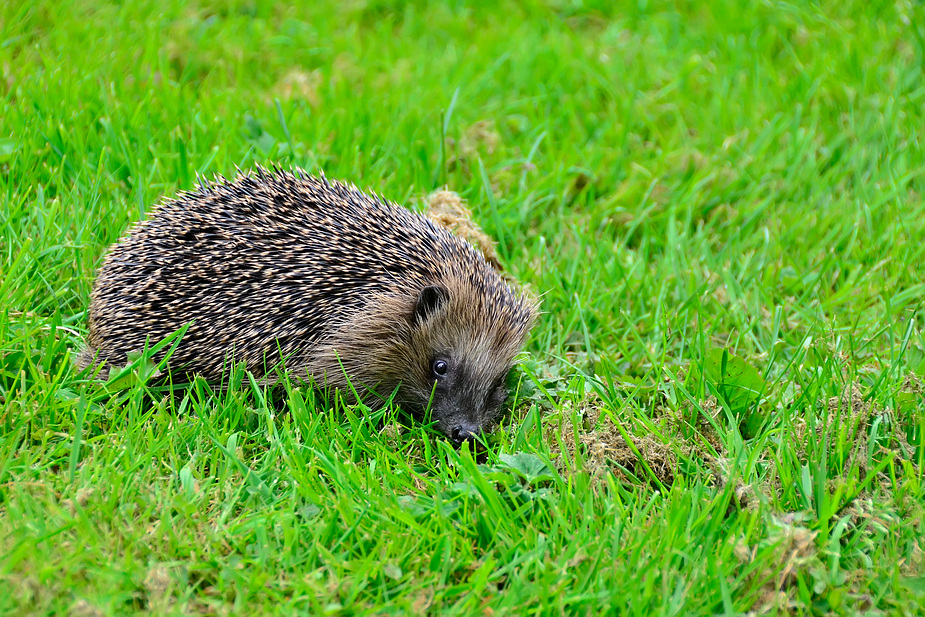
x: 465, y: 401
x: 462, y: 357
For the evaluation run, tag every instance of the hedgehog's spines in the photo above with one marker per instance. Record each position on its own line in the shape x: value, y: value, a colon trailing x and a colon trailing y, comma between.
x: 279, y: 170
x: 202, y: 184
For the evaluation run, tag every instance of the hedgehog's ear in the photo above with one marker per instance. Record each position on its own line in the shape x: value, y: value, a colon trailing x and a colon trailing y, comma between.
x: 429, y: 301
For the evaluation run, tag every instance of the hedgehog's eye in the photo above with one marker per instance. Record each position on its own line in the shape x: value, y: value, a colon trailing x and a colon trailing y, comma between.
x: 440, y: 368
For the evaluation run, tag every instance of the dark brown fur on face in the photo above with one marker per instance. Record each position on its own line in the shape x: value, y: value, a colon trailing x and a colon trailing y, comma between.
x: 341, y: 285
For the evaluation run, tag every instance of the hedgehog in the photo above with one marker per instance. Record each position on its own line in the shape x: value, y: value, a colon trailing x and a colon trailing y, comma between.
x: 350, y: 291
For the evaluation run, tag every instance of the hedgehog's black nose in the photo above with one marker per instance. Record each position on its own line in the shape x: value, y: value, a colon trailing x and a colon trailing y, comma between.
x: 463, y: 433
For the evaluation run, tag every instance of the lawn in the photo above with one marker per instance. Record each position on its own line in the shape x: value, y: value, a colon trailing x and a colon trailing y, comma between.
x: 719, y: 411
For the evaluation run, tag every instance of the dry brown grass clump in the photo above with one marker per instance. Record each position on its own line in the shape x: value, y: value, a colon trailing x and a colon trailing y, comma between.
x: 655, y: 449
x: 448, y: 210
x: 788, y: 551
x: 631, y: 454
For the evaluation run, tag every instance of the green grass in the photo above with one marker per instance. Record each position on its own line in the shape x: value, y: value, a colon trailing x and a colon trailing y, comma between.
x: 721, y: 410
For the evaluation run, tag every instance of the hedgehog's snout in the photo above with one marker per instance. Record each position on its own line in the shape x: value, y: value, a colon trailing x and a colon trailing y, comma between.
x: 464, y: 432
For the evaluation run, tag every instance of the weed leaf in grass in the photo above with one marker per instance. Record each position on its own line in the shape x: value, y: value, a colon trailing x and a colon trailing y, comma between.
x: 737, y: 383
x: 528, y: 466
x: 517, y: 476
x: 7, y: 148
